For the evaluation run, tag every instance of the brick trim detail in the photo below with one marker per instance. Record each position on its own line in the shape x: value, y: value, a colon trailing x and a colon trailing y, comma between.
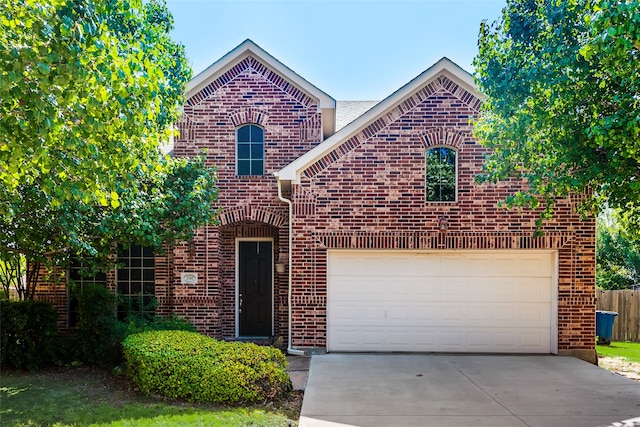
x: 187, y: 128
x: 252, y: 64
x: 251, y: 213
x: 248, y: 115
x: 420, y: 240
x: 444, y: 136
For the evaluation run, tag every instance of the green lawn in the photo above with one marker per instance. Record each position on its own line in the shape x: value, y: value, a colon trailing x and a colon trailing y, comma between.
x: 626, y: 350
x: 84, y: 397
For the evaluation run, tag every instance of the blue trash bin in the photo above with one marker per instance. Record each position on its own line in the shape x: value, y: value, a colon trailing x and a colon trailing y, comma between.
x: 604, y: 326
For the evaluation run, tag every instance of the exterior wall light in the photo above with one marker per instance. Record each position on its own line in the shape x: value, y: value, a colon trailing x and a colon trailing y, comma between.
x: 442, y: 221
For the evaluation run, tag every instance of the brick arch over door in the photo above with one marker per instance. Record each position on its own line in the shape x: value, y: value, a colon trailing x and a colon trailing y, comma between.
x: 251, y: 213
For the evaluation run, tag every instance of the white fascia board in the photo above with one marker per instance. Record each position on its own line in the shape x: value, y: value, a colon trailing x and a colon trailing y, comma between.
x: 445, y: 66
x: 249, y: 48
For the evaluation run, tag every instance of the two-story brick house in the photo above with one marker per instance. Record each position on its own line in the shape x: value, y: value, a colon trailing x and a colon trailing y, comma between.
x: 371, y: 237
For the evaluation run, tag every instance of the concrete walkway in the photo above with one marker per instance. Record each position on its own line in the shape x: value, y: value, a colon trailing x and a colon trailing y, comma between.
x: 465, y: 390
x: 298, y: 371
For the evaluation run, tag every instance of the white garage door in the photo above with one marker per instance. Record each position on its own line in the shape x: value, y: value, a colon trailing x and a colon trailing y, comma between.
x: 441, y: 301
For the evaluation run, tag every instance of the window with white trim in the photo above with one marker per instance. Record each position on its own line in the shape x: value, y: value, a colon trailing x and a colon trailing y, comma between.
x: 250, y: 150
x: 441, y: 175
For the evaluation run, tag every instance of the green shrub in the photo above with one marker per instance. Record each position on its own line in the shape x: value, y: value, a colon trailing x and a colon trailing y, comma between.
x: 28, y: 333
x: 137, y: 324
x: 99, y: 334
x: 97, y: 339
x: 195, y: 367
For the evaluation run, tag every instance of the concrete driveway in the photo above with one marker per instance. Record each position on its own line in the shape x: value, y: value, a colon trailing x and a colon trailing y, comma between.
x: 465, y: 390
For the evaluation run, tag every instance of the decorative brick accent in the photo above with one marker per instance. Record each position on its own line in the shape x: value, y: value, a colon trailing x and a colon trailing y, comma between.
x: 250, y: 213
x: 443, y: 136
x: 248, y: 115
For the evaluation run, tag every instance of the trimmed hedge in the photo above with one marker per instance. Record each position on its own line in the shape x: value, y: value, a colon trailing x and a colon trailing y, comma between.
x: 195, y: 367
x: 28, y: 333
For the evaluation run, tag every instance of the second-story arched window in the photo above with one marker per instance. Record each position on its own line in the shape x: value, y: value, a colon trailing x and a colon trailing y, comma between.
x: 250, y: 150
x: 441, y: 175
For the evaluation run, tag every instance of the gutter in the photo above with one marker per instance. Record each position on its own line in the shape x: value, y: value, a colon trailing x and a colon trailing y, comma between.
x: 290, y: 349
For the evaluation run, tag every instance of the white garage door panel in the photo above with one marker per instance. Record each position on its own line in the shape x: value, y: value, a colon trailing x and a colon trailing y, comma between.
x: 441, y: 314
x: 440, y: 339
x: 440, y: 288
x: 440, y: 301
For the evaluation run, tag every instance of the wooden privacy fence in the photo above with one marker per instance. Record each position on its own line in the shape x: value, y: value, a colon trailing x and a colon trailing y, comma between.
x: 627, y: 304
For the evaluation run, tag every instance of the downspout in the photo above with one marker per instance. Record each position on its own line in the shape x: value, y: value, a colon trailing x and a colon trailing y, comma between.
x: 290, y: 349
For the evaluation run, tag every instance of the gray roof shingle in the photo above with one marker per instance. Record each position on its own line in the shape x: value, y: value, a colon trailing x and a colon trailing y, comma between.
x: 348, y: 111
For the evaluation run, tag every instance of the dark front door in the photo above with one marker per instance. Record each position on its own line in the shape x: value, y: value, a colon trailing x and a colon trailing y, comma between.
x: 254, y: 289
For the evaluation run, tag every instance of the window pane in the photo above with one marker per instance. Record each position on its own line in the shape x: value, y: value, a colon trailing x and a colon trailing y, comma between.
x: 147, y: 274
x: 244, y: 167
x: 440, y: 180
x: 256, y: 167
x: 243, y: 151
x: 447, y: 194
x: 256, y: 151
x: 244, y: 134
x: 256, y: 134
x: 136, y: 288
x: 135, y: 250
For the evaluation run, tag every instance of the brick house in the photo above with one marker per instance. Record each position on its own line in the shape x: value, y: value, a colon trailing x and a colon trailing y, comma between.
x: 368, y: 233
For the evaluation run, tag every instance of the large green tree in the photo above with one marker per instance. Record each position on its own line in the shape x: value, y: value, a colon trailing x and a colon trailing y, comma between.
x: 563, y: 102
x: 618, y: 255
x: 89, y: 90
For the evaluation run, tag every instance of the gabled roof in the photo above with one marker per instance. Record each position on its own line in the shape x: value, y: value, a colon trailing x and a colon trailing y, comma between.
x: 444, y: 66
x: 249, y: 48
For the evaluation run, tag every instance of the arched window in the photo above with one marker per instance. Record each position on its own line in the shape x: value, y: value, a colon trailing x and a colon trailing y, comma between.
x: 250, y: 150
x: 441, y: 175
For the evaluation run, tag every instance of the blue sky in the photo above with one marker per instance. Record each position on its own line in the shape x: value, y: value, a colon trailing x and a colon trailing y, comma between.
x: 352, y: 49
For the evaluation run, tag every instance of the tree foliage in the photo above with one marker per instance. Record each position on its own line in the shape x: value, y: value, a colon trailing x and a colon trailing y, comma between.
x: 563, y: 107
x: 89, y: 90
x: 618, y: 254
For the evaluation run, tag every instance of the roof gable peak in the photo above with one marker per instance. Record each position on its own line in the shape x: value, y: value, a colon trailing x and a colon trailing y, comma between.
x: 444, y: 74
x: 250, y: 49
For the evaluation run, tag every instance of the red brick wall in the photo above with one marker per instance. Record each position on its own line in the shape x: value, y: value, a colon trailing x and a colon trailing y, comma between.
x: 247, y: 93
x: 372, y: 196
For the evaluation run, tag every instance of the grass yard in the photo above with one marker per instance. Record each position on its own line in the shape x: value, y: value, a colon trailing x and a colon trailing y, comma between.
x: 90, y: 397
x: 627, y: 350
